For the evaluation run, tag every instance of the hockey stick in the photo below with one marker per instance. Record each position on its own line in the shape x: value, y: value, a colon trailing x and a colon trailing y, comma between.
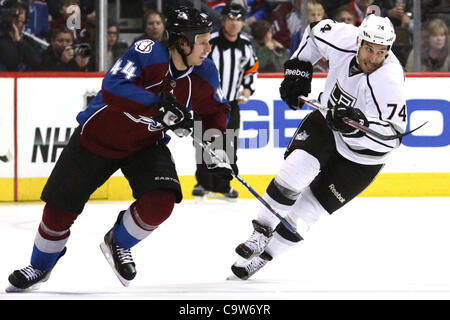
x: 289, y: 226
x: 359, y: 126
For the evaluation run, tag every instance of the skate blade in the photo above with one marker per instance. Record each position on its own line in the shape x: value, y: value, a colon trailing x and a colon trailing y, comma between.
x: 199, y: 199
x: 233, y: 277
x: 13, y: 289
x: 216, y: 196
x: 108, y: 255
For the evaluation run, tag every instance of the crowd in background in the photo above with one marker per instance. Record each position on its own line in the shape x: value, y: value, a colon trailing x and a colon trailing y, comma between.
x: 45, y: 36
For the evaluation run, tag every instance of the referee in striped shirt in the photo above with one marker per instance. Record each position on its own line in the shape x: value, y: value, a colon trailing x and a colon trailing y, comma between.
x: 237, y: 63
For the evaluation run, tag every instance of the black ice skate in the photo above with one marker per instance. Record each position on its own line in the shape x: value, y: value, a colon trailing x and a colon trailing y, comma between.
x: 28, y: 279
x: 244, y: 272
x: 119, y: 258
x: 257, y: 242
x: 199, y: 191
x: 231, y: 195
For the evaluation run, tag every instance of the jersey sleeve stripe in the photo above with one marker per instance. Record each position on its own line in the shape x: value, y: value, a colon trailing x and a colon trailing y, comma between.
x: 253, y: 69
x: 374, y: 99
x: 333, y: 46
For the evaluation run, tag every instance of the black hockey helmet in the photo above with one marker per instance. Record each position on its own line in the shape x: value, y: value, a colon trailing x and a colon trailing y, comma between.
x: 233, y: 10
x: 187, y: 22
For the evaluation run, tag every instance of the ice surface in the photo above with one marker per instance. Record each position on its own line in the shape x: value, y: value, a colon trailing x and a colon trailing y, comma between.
x: 374, y: 248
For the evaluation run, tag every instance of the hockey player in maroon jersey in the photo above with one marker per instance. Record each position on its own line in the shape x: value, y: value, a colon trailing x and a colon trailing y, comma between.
x: 328, y: 162
x: 149, y: 90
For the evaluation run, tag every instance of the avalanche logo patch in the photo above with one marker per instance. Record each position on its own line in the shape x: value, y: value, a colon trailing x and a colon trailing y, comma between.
x: 144, y: 46
x: 152, y: 124
x: 339, y: 97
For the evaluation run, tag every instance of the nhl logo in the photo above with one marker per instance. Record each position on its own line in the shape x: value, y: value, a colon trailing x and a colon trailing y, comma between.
x: 173, y: 83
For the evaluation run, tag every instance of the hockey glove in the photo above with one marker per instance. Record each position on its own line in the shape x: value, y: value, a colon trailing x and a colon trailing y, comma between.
x: 297, y: 82
x: 222, y: 164
x: 335, y: 120
x: 174, y: 116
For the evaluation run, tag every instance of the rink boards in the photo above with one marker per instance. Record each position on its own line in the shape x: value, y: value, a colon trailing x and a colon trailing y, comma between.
x: 38, y: 115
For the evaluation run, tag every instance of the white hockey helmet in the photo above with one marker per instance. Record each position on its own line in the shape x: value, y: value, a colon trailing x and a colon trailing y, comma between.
x: 377, y: 30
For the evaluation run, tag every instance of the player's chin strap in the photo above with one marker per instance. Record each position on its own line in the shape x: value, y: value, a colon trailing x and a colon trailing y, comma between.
x: 359, y: 126
x: 183, y: 55
x: 285, y: 223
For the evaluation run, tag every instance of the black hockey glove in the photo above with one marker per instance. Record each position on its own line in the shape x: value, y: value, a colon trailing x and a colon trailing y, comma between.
x: 297, y: 82
x: 174, y: 116
x: 223, y: 164
x: 335, y: 122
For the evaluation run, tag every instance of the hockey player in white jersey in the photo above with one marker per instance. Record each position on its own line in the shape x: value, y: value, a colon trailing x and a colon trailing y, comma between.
x: 328, y: 162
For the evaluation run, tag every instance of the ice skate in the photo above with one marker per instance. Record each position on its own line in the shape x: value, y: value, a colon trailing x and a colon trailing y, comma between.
x: 244, y: 272
x: 257, y: 242
x: 231, y: 195
x: 199, y: 193
x: 29, y: 278
x: 119, y: 259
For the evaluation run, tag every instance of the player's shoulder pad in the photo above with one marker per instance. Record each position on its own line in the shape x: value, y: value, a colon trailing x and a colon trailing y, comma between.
x: 341, y: 36
x: 208, y: 71
x: 328, y: 28
x: 147, y: 48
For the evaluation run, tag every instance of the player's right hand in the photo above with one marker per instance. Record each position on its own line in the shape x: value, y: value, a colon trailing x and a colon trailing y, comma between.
x: 297, y: 82
x: 335, y: 121
x: 174, y: 116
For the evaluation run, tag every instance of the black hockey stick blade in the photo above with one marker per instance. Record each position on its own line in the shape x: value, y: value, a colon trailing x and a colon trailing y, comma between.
x: 359, y: 126
x: 375, y: 134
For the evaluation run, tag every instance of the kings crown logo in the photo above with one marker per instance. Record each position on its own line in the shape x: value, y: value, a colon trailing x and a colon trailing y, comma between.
x: 339, y: 97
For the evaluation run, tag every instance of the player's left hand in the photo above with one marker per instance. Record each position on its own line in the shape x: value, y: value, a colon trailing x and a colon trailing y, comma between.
x: 174, y: 116
x: 335, y: 121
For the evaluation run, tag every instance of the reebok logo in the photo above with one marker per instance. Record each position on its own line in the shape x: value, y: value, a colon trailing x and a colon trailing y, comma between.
x: 296, y: 72
x: 336, y: 193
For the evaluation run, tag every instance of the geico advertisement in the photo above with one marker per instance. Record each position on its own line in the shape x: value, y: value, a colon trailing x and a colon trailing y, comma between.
x: 47, y: 109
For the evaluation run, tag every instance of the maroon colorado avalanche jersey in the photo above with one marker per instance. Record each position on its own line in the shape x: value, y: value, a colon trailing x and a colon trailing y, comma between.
x: 119, y: 120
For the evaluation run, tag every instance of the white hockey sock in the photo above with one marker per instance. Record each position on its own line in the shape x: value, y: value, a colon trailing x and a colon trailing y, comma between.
x: 266, y: 217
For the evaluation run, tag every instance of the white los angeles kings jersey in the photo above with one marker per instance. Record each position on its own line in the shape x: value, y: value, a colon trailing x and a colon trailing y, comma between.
x: 380, y: 95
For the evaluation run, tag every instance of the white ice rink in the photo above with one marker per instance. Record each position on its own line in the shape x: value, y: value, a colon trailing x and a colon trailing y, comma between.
x: 374, y: 248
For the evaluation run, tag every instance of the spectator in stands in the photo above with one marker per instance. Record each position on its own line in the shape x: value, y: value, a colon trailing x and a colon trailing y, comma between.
x: 435, y: 51
x: 256, y: 10
x: 396, y: 11
x: 16, y: 52
x: 286, y: 20
x: 344, y: 14
x: 67, y: 17
x: 271, y: 54
x: 37, y: 19
x: 61, y: 55
x: 87, y: 8
x: 331, y: 6
x: 315, y: 13
x: 115, y: 47
x: 432, y: 9
x: 359, y: 8
x: 154, y: 26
